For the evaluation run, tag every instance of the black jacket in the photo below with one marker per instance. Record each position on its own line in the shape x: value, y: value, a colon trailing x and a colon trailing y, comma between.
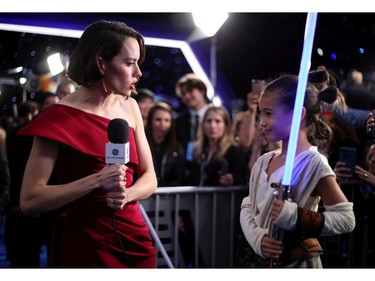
x: 233, y: 162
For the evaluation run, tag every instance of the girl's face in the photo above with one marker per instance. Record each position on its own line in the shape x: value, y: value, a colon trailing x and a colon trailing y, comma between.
x: 275, y: 118
x: 122, y: 73
x: 161, y: 123
x: 214, y: 126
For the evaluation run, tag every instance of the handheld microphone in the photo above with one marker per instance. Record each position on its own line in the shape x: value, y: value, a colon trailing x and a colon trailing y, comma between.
x: 117, y: 149
x: 117, y: 152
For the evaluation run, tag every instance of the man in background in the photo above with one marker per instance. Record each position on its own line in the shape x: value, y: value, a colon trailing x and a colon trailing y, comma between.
x: 65, y: 88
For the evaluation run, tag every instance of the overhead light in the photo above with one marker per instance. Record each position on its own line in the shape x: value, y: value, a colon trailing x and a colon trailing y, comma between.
x: 54, y: 63
x: 22, y: 80
x: 14, y: 70
x: 209, y: 23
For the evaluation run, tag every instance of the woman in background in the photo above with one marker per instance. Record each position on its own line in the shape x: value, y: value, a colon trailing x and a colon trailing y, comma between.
x: 217, y: 161
x: 167, y: 154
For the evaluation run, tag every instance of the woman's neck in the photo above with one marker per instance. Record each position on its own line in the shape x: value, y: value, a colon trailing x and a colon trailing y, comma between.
x: 211, y: 148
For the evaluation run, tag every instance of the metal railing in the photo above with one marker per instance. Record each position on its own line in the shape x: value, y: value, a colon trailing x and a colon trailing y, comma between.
x: 208, y: 217
x: 213, y: 213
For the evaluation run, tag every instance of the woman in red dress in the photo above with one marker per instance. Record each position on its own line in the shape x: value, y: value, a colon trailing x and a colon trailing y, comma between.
x: 102, y: 225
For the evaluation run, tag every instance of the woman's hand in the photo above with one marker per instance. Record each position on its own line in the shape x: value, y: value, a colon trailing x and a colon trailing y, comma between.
x: 226, y: 180
x: 342, y: 172
x: 252, y: 101
x: 112, y: 179
x: 370, y: 123
x: 364, y: 175
x: 271, y: 248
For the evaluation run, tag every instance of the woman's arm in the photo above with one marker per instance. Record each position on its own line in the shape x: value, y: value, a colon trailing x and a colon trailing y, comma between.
x: 354, y: 117
x: 147, y: 182
x: 38, y: 197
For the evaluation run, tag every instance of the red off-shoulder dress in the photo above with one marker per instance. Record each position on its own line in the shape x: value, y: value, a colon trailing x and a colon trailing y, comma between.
x: 88, y: 238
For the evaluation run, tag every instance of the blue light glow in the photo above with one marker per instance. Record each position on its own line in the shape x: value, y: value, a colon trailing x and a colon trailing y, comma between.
x: 152, y: 41
x: 300, y: 96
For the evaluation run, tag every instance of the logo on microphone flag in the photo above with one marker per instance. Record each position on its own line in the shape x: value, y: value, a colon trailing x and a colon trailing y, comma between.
x: 117, y: 153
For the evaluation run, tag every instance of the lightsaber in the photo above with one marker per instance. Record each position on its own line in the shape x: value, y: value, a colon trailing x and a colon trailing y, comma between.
x: 300, y: 96
x: 296, y: 120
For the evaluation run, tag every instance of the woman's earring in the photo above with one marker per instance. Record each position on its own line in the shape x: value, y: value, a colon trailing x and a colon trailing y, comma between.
x: 104, y: 86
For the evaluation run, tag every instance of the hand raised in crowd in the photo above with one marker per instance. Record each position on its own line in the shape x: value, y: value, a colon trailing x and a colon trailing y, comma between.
x: 370, y: 122
x: 342, y: 171
x: 252, y: 101
x: 365, y: 175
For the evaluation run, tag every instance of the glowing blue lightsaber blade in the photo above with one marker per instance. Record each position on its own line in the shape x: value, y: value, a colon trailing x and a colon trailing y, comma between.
x: 300, y: 96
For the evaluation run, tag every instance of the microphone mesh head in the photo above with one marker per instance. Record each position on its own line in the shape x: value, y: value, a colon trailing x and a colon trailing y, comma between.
x: 118, y: 131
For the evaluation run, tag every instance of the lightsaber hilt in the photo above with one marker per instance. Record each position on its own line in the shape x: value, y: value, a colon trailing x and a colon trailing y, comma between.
x: 282, y: 192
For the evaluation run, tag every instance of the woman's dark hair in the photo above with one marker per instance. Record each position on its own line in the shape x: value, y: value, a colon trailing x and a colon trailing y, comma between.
x: 320, y: 90
x: 100, y: 39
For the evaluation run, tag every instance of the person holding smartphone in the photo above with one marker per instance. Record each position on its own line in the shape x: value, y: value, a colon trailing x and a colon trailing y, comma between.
x: 363, y: 191
x: 247, y: 133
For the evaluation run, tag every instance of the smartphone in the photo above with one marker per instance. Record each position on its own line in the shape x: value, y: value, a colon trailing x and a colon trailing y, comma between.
x: 224, y: 167
x: 349, y: 156
x: 257, y: 86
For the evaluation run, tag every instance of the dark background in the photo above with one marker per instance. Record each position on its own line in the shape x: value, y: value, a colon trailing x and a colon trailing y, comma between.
x: 249, y: 46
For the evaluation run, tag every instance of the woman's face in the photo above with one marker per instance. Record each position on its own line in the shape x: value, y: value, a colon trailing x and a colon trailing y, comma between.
x: 161, y: 124
x: 214, y: 126
x: 275, y: 118
x: 145, y: 105
x: 122, y: 73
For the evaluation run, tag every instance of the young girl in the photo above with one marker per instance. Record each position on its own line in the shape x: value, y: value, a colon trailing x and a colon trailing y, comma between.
x: 312, y: 179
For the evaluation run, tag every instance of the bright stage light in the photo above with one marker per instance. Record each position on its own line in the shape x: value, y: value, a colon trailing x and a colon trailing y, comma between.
x: 209, y: 23
x: 54, y: 64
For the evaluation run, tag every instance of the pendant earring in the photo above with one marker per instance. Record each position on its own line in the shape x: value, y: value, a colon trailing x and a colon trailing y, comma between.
x: 104, y: 86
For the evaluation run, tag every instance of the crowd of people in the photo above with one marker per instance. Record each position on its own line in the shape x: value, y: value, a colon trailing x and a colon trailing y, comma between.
x: 54, y: 176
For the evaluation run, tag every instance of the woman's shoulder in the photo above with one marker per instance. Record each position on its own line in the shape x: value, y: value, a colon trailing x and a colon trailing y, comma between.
x: 129, y: 109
